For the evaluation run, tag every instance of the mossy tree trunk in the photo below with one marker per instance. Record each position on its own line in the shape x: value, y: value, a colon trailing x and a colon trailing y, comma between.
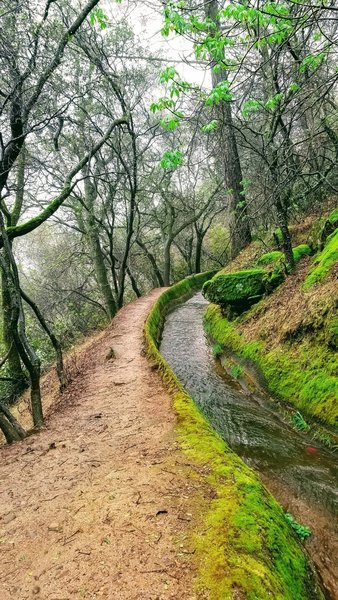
x: 17, y: 324
x: 14, y: 365
x: 282, y: 220
x: 54, y: 341
x: 282, y: 202
x: 167, y: 261
x: 13, y: 362
x: 198, y: 252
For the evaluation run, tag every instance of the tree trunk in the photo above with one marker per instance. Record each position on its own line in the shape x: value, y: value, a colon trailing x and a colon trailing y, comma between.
x: 167, y: 263
x: 96, y: 250
x: 240, y: 234
x: 152, y: 260
x: 133, y: 283
x: 101, y: 274
x: 282, y: 220
x: 8, y: 430
x: 17, y: 324
x: 55, y: 342
x: 198, y: 252
x: 14, y: 365
x: 13, y: 362
x: 8, y: 419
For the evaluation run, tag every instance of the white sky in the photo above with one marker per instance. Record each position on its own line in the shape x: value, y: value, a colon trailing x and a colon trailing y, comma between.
x: 146, y: 19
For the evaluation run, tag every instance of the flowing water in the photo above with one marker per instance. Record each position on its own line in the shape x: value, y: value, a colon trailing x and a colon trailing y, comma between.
x: 301, y: 474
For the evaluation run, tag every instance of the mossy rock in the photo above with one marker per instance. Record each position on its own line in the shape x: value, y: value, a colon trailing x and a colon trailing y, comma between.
x: 235, y: 288
x: 276, y: 257
x: 324, y: 261
x: 270, y: 258
x: 300, y: 251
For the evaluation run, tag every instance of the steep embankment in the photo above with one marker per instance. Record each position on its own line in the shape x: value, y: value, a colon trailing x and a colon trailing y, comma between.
x: 291, y: 334
x: 243, y: 546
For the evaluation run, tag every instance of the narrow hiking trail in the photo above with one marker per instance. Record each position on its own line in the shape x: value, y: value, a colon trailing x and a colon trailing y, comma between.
x: 98, y: 504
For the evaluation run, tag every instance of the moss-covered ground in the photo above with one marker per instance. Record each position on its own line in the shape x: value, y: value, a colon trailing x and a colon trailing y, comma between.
x: 244, y: 547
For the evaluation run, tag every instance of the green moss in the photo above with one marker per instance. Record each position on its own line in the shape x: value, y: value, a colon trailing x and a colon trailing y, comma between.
x: 323, y: 261
x: 217, y: 350
x: 270, y: 258
x: 237, y: 290
x: 304, y: 375
x: 275, y: 257
x: 277, y: 236
x: 333, y: 216
x: 331, y: 333
x: 243, y: 545
x: 321, y: 229
x: 300, y: 251
x: 236, y: 372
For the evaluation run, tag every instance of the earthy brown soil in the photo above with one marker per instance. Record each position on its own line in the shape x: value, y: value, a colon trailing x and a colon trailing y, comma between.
x: 99, y: 503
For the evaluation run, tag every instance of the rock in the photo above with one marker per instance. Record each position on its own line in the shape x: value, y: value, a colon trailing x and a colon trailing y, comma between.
x: 300, y: 251
x: 238, y: 290
x: 271, y: 258
x: 111, y: 354
x: 54, y: 527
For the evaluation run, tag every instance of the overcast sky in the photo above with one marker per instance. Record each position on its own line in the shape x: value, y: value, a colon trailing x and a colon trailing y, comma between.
x: 146, y: 19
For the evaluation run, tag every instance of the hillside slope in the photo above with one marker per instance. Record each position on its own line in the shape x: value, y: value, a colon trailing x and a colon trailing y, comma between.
x: 291, y: 334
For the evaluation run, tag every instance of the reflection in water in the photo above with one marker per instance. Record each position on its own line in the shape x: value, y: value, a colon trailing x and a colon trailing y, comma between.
x: 249, y: 422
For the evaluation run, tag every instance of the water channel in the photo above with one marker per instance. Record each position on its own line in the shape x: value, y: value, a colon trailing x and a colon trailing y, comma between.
x: 301, y: 474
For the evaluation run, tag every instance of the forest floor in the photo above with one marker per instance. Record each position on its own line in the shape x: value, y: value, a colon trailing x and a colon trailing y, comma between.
x: 99, y: 504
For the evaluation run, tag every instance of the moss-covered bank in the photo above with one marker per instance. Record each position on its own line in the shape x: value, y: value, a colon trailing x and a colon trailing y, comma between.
x: 244, y: 547
x: 291, y: 335
x: 304, y: 375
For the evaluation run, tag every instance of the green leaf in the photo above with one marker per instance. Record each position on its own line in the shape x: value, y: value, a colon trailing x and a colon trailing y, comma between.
x: 220, y: 93
x: 273, y: 101
x: 302, y: 530
x: 171, y: 160
x: 250, y: 106
x: 97, y: 16
x: 163, y: 103
x: 167, y: 74
x: 312, y: 61
x: 210, y: 126
x: 170, y: 123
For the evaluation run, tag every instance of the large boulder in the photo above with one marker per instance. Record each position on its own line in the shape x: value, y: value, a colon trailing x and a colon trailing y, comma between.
x: 237, y: 290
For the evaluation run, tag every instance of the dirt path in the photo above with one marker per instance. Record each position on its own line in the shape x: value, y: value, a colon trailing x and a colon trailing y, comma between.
x: 93, y: 506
